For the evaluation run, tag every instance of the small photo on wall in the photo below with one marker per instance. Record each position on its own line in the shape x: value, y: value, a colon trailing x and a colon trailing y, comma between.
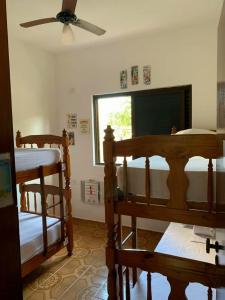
x: 134, y: 75
x: 147, y: 74
x: 123, y: 79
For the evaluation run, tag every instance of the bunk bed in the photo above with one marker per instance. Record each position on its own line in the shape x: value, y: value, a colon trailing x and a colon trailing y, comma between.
x: 45, y: 217
x: 178, y: 268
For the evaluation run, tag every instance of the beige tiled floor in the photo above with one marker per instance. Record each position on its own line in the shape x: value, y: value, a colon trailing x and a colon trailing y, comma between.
x: 82, y: 276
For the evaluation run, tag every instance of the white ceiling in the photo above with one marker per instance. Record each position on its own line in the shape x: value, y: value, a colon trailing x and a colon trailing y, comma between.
x: 120, y: 18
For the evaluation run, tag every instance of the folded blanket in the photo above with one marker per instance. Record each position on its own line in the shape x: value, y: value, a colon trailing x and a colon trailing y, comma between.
x: 206, y: 232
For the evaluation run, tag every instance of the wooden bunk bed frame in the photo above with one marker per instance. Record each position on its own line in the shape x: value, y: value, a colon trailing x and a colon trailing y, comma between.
x: 177, y: 150
x: 63, y: 191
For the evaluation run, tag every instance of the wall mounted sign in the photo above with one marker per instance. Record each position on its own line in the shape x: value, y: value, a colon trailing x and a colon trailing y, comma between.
x: 84, y: 126
x: 71, y: 120
x: 134, y: 75
x: 71, y: 138
x: 147, y: 74
x: 6, y: 198
x: 123, y: 79
x: 90, y: 191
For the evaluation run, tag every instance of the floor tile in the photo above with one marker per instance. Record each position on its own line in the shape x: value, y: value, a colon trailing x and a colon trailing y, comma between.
x: 82, y: 276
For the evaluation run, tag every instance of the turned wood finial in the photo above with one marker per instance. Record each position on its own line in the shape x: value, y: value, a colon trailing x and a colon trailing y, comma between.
x: 173, y: 130
x: 18, y: 134
x: 109, y: 134
x: 18, y: 137
x: 64, y: 133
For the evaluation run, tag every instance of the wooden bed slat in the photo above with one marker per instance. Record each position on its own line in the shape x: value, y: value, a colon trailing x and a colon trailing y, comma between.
x: 127, y: 284
x: 125, y: 178
x: 35, y: 202
x: 210, y: 294
x: 178, y: 289
x: 177, y: 183
x: 147, y: 180
x: 210, y: 186
x: 149, y: 286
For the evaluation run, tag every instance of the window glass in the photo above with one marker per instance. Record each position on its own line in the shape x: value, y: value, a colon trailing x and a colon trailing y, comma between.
x: 114, y: 111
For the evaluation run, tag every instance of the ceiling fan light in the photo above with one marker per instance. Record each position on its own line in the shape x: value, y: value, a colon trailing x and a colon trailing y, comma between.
x: 67, y: 35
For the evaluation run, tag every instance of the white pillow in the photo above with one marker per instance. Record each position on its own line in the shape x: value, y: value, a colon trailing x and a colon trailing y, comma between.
x: 196, y: 131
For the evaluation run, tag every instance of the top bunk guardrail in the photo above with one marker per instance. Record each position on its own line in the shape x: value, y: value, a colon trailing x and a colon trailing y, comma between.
x: 41, y: 140
x: 177, y: 150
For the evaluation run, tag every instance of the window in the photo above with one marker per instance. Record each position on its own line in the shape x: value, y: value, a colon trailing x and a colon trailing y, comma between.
x: 140, y: 113
x: 114, y: 111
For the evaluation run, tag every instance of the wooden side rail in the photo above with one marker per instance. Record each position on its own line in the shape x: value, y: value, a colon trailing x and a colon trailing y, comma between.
x: 35, y: 191
x: 179, y: 271
x: 170, y: 146
x: 163, y: 213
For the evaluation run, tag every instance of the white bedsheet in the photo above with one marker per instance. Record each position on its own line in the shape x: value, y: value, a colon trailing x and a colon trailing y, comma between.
x: 196, y: 170
x: 28, y: 159
x: 31, y: 237
x: 179, y: 240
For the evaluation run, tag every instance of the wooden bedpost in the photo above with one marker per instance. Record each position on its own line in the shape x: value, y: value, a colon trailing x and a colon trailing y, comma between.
x: 23, y: 200
x: 111, y: 218
x: 173, y: 130
x: 67, y: 175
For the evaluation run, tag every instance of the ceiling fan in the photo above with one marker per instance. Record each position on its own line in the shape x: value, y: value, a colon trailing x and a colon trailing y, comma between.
x: 67, y: 16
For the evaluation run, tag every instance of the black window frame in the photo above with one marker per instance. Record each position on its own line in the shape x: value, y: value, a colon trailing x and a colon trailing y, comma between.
x: 186, y: 89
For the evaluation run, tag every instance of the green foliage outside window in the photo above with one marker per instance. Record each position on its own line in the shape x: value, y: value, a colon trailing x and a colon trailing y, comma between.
x: 121, y: 122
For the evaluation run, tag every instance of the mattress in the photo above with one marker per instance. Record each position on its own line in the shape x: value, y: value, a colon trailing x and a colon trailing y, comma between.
x: 28, y: 159
x: 179, y: 240
x: 31, y: 234
x: 196, y: 170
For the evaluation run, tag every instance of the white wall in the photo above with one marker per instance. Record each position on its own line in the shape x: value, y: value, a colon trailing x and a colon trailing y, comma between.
x: 185, y: 56
x: 33, y: 88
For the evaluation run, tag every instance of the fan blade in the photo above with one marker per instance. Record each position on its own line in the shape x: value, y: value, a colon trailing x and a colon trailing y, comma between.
x: 38, y: 22
x: 69, y: 5
x: 89, y: 27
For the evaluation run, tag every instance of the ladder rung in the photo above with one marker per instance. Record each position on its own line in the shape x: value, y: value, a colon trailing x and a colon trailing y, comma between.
x: 54, y: 205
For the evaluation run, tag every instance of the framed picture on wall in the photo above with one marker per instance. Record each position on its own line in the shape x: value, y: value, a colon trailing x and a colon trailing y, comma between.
x: 134, y: 75
x: 147, y: 74
x: 123, y: 79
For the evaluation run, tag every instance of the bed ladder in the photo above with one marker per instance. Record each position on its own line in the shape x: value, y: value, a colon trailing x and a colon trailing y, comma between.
x: 45, y: 208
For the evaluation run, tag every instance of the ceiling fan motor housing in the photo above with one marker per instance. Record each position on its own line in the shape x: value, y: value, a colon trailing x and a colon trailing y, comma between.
x: 66, y: 17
